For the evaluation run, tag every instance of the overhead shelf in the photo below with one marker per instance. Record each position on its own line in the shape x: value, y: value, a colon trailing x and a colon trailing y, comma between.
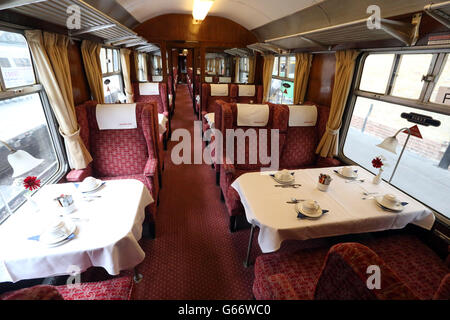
x: 351, y: 32
x: 264, y: 48
x: 440, y: 12
x: 93, y: 21
x: 239, y: 52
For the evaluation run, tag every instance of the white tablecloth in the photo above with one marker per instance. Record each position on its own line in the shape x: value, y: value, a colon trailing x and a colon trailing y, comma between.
x: 162, y: 120
x: 106, y: 237
x: 266, y: 207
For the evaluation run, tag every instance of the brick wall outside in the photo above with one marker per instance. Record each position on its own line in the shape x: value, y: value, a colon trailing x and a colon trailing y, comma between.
x: 425, y: 147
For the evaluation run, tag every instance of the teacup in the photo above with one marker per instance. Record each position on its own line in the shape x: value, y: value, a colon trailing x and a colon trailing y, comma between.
x: 389, y: 200
x: 348, y: 171
x: 310, y: 206
x: 89, y: 183
x: 285, y: 175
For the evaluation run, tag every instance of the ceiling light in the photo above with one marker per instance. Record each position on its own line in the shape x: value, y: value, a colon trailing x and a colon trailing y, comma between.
x: 200, y: 10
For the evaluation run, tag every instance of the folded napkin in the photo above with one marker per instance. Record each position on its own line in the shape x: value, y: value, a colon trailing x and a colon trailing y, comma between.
x: 210, y: 119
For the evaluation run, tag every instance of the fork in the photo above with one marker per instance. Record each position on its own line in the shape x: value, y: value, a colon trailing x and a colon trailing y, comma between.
x: 360, y: 180
x: 294, y: 201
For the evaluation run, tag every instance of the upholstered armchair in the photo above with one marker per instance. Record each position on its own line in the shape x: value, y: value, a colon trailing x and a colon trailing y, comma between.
x: 121, y: 153
x: 242, y: 97
x: 208, y: 102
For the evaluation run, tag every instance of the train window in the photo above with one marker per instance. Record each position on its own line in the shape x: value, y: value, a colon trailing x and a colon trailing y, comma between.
x: 423, y: 171
x: 35, y: 133
x: 243, y: 70
x: 376, y: 66
x: 440, y: 92
x: 157, y: 66
x: 282, y: 85
x: 112, y: 75
x: 408, y: 81
x: 15, y: 61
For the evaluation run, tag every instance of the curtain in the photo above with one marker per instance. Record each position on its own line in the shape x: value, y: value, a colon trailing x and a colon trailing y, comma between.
x: 267, y: 75
x: 52, y: 63
x: 91, y: 60
x: 136, y: 65
x: 237, y: 69
x: 302, y: 67
x: 126, y: 69
x: 145, y: 66
x: 345, y: 66
x: 251, y: 69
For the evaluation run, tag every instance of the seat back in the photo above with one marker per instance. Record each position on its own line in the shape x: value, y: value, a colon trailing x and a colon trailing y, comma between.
x: 301, y: 142
x: 278, y: 119
x: 344, y: 276
x: 240, y: 98
x: 208, y: 102
x: 119, y: 152
x: 161, y: 99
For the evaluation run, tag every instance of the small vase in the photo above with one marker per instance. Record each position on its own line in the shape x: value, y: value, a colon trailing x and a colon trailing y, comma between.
x: 377, y: 178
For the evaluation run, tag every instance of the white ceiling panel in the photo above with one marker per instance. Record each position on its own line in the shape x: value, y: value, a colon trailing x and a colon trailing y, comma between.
x: 248, y: 13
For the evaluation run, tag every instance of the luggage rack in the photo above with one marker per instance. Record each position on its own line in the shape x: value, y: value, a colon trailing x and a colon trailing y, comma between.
x: 92, y: 21
x: 440, y: 12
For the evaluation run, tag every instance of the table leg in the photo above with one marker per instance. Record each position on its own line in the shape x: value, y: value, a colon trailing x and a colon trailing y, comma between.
x: 249, y: 249
x: 137, y: 276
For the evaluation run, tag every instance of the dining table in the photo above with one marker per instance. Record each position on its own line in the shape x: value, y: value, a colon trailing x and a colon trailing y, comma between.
x: 108, y: 227
x: 350, y: 206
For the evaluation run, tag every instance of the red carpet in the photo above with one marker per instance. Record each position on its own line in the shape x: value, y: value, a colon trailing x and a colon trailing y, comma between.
x: 194, y: 256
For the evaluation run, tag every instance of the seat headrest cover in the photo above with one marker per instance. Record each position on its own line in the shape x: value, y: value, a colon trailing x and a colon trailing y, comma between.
x: 252, y: 115
x: 149, y: 89
x: 302, y: 115
x: 246, y: 90
x: 225, y: 79
x: 219, y: 90
x: 208, y: 79
x: 157, y: 78
x: 116, y: 116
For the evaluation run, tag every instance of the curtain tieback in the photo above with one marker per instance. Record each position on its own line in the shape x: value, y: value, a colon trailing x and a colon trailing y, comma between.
x: 72, y: 136
x: 332, y: 132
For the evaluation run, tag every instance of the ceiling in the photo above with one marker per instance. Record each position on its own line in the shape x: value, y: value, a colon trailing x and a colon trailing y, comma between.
x: 250, y: 14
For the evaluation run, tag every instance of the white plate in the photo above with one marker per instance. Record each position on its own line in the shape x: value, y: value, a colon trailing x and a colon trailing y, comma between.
x: 61, y: 242
x: 397, y: 208
x: 314, y: 215
x: 72, y: 227
x: 339, y: 172
x: 96, y: 188
x: 99, y: 184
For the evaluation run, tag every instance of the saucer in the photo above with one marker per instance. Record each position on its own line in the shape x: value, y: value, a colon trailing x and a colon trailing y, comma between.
x: 289, y: 181
x: 317, y: 214
x: 397, y: 207
x: 47, y: 239
x: 99, y: 184
x: 355, y: 174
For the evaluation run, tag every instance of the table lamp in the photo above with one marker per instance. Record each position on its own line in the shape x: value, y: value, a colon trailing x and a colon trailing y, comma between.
x: 21, y: 162
x: 390, y: 144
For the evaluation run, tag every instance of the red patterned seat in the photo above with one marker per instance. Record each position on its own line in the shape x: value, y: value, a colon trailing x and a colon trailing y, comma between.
x: 208, y: 102
x: 299, y: 150
x: 341, y: 274
x: 257, y: 98
x: 121, y: 154
x: 278, y: 119
x: 113, y: 289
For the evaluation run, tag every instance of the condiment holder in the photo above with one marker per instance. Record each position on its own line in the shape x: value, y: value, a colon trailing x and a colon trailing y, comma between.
x: 324, y: 182
x: 66, y: 203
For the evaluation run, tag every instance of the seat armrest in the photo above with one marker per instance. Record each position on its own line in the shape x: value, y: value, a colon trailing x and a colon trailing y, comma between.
x: 443, y: 292
x: 227, y: 167
x: 328, y: 162
x: 151, y: 167
x: 78, y: 175
x: 281, y: 287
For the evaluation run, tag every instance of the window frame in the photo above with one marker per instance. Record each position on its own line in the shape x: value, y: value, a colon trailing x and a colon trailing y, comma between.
x: 114, y: 73
x: 141, y: 60
x: 436, y: 66
x: 56, y: 139
x: 277, y: 76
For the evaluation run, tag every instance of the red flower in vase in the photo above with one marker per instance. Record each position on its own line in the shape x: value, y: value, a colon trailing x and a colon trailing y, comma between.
x: 31, y: 183
x: 377, y: 163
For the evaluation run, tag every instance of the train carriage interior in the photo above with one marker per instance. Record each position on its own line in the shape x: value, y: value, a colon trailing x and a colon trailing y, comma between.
x: 252, y: 150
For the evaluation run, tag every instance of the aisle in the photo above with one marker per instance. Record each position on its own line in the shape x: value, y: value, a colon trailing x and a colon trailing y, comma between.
x: 194, y: 256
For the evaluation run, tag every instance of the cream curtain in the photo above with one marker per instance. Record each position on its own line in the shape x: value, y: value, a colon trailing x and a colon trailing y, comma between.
x: 237, y: 69
x: 218, y: 66
x: 145, y: 66
x: 302, y: 68
x: 251, y: 69
x: 345, y: 66
x: 136, y: 65
x: 126, y: 69
x: 52, y: 63
x: 91, y: 60
x: 267, y: 75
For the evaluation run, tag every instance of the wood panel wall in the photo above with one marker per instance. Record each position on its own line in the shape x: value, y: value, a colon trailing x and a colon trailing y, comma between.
x: 80, y: 86
x: 321, y: 79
